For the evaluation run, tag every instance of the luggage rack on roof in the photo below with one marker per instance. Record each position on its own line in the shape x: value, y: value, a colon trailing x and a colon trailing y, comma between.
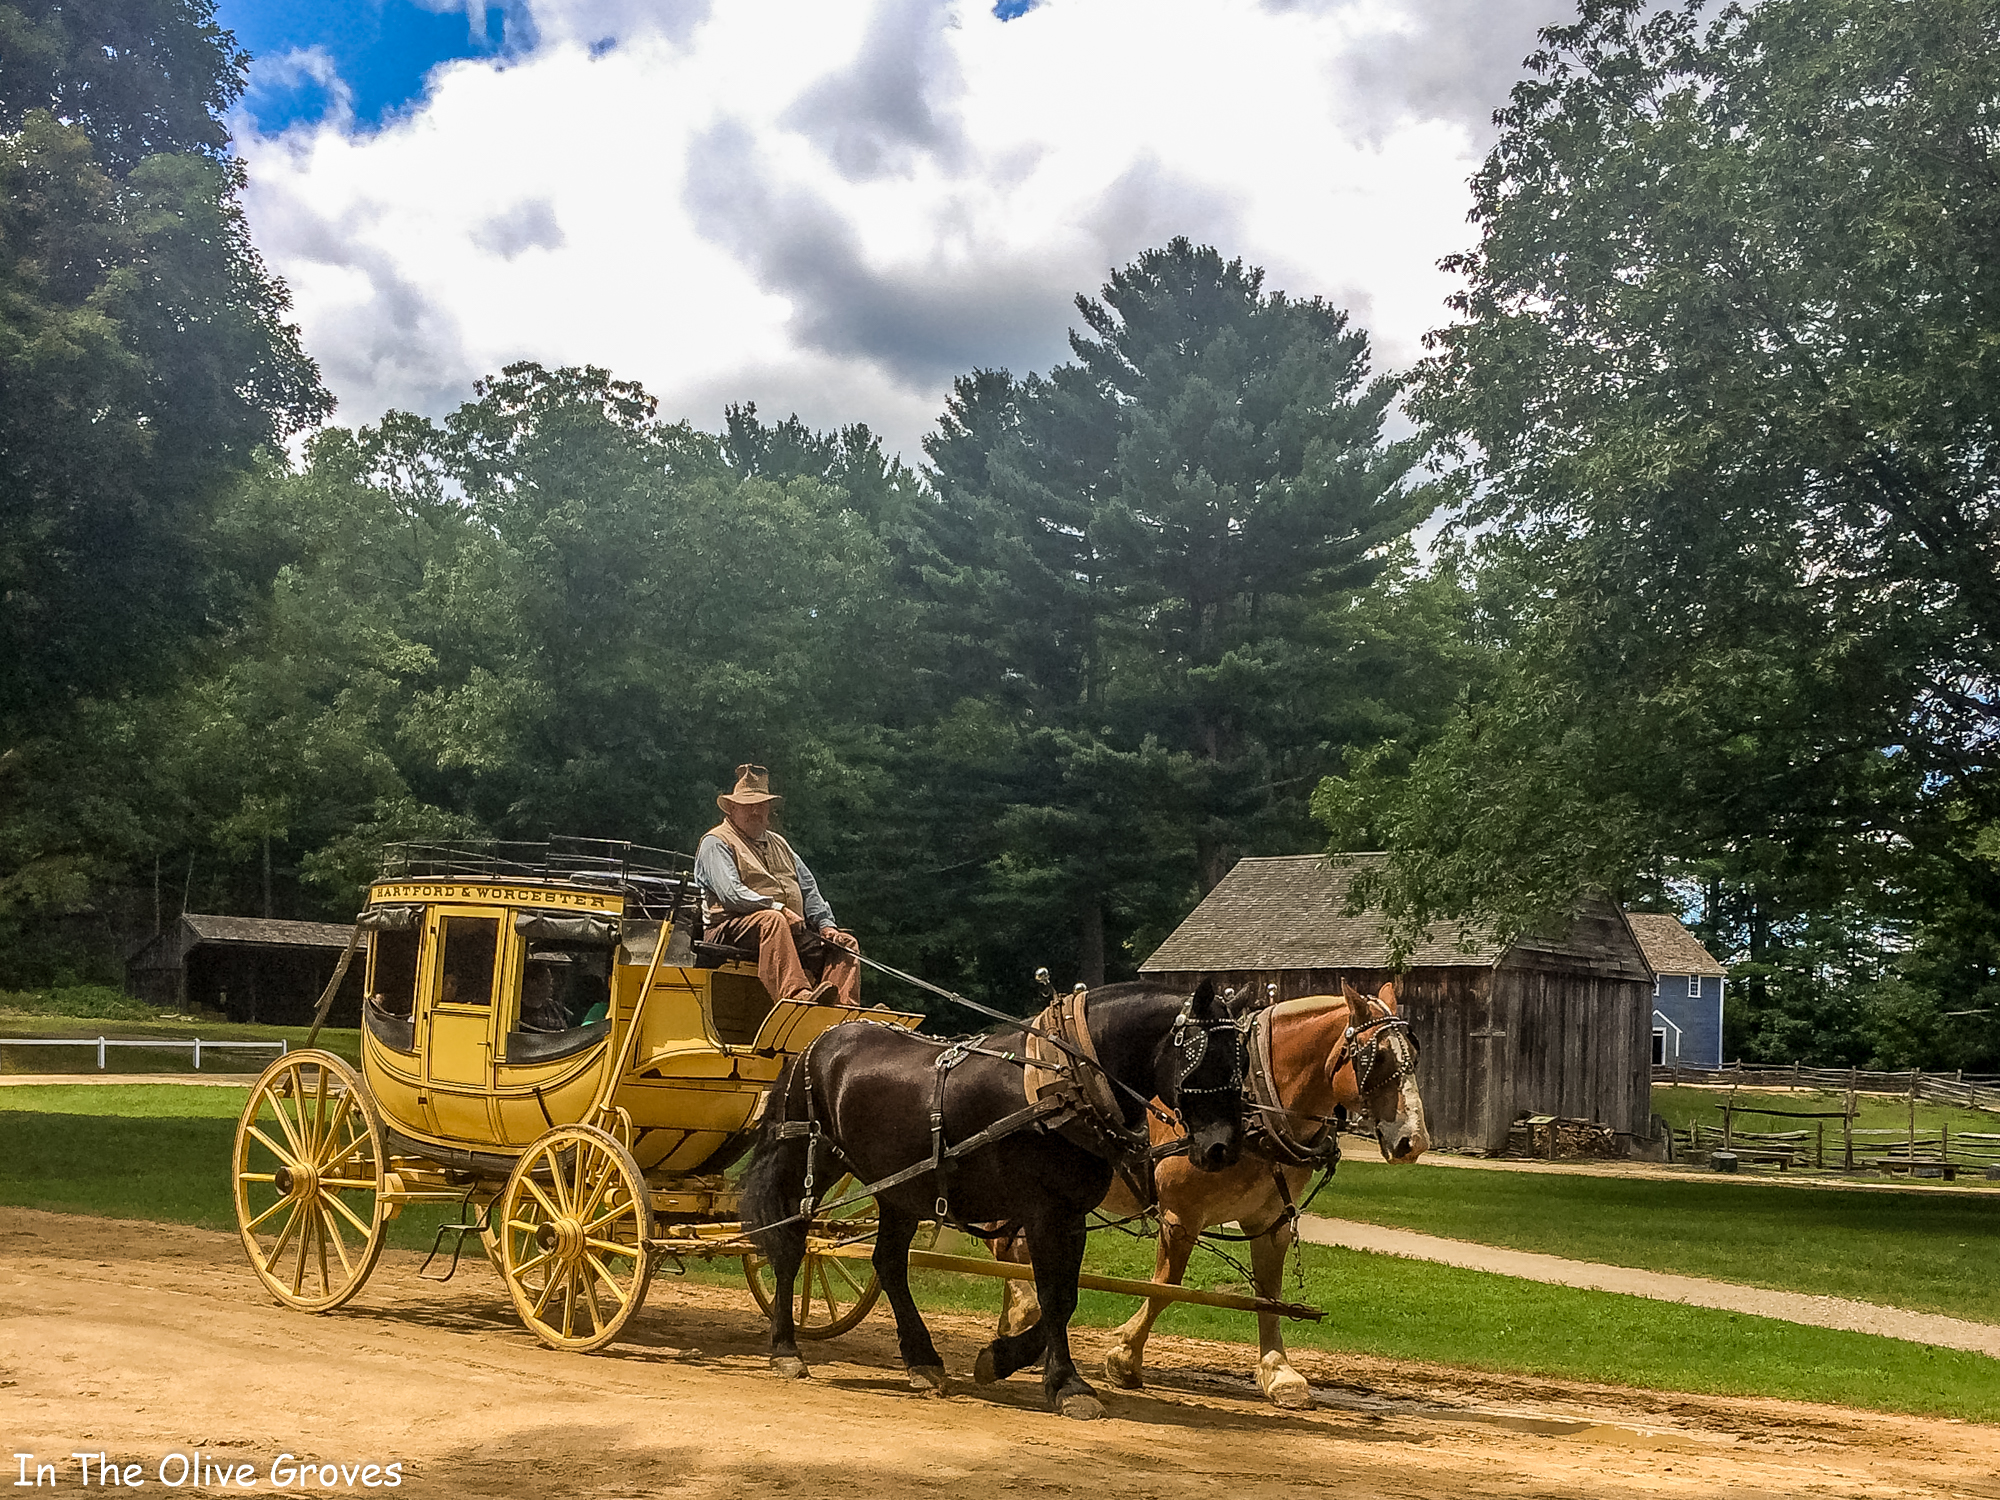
x: 651, y: 877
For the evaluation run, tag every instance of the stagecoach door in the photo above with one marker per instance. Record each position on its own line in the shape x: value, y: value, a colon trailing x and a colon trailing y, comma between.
x: 465, y: 973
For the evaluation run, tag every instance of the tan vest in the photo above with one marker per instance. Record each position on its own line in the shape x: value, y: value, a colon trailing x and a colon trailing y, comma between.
x: 769, y: 870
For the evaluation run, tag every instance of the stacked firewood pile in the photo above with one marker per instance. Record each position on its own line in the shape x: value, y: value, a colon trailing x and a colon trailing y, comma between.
x: 1550, y: 1136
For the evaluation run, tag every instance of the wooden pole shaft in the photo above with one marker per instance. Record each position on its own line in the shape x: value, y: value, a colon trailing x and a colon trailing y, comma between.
x: 1006, y: 1270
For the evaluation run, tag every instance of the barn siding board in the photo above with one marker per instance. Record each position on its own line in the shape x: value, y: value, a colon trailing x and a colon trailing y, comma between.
x: 1551, y: 1024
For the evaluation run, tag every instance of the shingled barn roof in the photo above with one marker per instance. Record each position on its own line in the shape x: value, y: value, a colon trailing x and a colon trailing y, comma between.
x: 1670, y: 948
x: 1290, y: 912
x: 267, y: 932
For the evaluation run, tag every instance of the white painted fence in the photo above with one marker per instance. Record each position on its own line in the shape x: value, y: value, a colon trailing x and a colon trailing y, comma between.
x: 101, y: 1043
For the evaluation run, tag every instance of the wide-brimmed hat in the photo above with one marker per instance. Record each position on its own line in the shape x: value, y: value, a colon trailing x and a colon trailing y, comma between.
x: 753, y: 784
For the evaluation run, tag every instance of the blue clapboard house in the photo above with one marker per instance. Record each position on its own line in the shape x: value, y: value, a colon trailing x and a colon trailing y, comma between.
x: 1687, y: 992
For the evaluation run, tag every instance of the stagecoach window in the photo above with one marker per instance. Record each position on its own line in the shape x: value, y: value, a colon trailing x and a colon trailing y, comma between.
x: 564, y: 986
x: 468, y: 960
x: 392, y: 971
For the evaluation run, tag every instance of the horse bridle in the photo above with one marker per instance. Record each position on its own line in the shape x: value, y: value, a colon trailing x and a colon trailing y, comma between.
x: 1190, y: 1038
x: 1363, y: 1048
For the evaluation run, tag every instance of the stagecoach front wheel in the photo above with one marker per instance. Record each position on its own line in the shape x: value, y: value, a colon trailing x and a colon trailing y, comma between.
x: 307, y: 1180
x: 833, y: 1292
x: 573, y: 1224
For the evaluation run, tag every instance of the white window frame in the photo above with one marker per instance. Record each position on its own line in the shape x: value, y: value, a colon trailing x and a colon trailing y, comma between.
x: 1659, y: 1046
x: 1694, y: 986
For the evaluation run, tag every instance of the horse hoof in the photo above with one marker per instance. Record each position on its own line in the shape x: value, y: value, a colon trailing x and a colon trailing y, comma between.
x: 1123, y: 1371
x: 928, y: 1380
x: 1082, y: 1407
x: 789, y: 1367
x: 983, y: 1369
x: 1283, y: 1386
x: 1290, y: 1397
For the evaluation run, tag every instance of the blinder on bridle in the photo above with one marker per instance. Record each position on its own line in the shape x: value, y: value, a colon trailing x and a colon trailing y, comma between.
x: 1365, y: 1052
x: 1190, y: 1040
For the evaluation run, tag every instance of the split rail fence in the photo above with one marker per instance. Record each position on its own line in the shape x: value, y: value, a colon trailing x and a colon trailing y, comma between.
x: 1977, y: 1091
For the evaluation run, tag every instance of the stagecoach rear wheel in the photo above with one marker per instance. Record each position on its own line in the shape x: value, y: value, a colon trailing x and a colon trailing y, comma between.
x: 573, y: 1223
x: 307, y: 1178
x: 833, y: 1293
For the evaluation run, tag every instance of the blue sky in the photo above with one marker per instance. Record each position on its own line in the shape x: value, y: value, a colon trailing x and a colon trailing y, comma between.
x: 381, y: 49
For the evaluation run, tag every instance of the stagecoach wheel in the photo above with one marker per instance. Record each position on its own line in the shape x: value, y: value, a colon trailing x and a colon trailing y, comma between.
x: 573, y: 1225
x: 833, y: 1293
x: 307, y: 1175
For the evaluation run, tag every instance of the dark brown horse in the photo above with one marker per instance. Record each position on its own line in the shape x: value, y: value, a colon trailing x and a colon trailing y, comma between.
x: 861, y: 1100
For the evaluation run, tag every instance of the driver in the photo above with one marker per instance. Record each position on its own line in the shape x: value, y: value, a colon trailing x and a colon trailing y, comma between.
x: 758, y: 893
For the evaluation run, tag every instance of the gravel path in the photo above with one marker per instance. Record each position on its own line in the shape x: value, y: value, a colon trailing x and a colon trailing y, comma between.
x: 1791, y: 1307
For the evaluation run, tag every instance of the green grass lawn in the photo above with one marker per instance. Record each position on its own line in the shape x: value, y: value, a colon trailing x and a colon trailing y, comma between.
x: 345, y: 1042
x: 161, y: 1152
x: 1405, y: 1309
x: 1685, y: 1106
x: 1918, y: 1249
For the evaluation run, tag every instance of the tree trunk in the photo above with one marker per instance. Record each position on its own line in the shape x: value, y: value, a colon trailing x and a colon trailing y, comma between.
x: 267, y: 877
x: 1090, y: 943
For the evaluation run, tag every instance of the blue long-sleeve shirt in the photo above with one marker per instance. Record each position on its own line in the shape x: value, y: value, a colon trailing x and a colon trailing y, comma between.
x: 715, y: 870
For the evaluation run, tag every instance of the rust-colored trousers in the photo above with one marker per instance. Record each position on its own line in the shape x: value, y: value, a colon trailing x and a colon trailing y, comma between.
x: 792, y: 960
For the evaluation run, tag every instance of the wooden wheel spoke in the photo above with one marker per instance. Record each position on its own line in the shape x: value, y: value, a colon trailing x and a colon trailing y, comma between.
x: 541, y: 1198
x: 325, y: 1270
x: 305, y: 1241
x: 285, y: 1122
x: 274, y: 1208
x: 835, y: 1263
x: 579, y: 1170
x: 528, y: 1265
x: 604, y: 1275
x: 569, y: 1303
x: 623, y: 1211
x: 345, y: 1151
x: 555, y: 1280
x: 620, y: 1248
x: 348, y: 1184
x: 364, y: 1230
x: 256, y: 1176
x: 275, y: 1149
x: 588, y: 1206
x: 339, y: 1245
x: 284, y: 1235
x: 316, y: 1131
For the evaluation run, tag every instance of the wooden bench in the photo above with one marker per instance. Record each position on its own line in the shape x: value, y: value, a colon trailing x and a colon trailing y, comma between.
x: 1782, y: 1156
x: 1945, y: 1169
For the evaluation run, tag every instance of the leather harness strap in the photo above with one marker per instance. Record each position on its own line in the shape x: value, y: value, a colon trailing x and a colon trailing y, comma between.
x: 1271, y: 1130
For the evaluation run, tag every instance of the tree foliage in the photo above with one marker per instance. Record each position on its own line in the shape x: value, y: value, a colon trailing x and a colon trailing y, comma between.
x: 144, y: 356
x: 1724, y: 387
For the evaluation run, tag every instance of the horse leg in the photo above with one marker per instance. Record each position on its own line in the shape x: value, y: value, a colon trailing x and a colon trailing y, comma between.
x: 1058, y: 1263
x: 1280, y: 1383
x: 892, y: 1268
x: 1124, y: 1361
x: 1019, y: 1308
x: 785, y: 1248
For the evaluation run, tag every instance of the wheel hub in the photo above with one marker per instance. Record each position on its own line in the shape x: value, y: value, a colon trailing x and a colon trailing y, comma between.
x: 563, y: 1236
x: 295, y: 1182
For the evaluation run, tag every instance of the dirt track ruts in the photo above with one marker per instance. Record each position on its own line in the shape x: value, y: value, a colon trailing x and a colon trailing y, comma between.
x: 142, y: 1339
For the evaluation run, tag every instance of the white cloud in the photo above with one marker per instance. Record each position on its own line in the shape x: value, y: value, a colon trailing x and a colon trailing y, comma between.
x: 835, y: 205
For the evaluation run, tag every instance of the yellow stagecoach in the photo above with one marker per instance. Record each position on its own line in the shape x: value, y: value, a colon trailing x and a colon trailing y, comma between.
x: 546, y: 1041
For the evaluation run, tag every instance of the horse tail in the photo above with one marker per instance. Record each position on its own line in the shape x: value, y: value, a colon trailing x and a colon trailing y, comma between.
x: 776, y: 1178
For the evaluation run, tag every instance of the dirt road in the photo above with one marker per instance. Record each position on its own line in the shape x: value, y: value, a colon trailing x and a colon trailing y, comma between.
x: 142, y: 1340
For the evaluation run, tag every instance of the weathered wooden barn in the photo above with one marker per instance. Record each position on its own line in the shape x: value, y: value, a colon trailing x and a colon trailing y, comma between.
x: 1559, y: 1024
x: 249, y: 968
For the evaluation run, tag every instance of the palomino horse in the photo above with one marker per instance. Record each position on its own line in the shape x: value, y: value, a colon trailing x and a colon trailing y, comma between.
x: 874, y: 1101
x: 1317, y: 1069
